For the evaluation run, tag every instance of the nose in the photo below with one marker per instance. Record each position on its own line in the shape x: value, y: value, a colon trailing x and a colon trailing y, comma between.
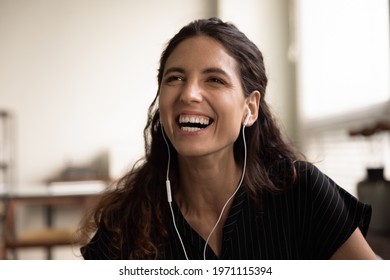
x: 191, y: 92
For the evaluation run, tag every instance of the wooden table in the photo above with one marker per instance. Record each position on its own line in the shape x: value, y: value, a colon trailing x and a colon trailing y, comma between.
x: 49, y: 200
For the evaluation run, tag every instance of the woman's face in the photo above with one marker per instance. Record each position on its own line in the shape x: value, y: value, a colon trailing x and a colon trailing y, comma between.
x: 201, y: 100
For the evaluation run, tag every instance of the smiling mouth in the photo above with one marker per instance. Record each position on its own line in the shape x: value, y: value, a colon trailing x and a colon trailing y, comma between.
x: 192, y: 123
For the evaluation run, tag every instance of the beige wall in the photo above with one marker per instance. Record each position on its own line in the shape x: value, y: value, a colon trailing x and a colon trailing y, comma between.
x: 79, y: 75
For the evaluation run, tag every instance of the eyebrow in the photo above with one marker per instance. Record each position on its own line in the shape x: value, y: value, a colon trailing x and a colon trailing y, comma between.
x: 173, y: 69
x: 215, y: 70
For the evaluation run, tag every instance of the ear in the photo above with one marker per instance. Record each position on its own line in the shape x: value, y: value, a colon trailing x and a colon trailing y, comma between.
x: 252, y: 104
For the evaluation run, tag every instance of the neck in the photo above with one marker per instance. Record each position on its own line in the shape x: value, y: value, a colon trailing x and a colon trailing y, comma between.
x: 207, y: 183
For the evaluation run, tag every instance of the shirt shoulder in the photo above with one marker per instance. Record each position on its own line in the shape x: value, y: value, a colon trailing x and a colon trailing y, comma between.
x: 334, y: 212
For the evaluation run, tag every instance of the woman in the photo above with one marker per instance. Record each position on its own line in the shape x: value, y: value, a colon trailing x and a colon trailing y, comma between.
x: 218, y: 181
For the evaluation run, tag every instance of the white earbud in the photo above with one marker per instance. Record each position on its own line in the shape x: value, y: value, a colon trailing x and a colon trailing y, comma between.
x: 248, y: 115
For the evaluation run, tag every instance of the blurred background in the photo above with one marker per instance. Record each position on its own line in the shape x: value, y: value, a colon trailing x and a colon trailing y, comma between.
x: 77, y: 77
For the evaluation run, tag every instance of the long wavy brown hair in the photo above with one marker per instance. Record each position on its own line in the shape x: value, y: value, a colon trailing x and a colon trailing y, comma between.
x: 136, y: 210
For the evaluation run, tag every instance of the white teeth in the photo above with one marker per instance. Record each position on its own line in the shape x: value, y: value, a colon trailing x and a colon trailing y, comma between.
x: 187, y: 122
x: 190, y: 129
x: 194, y: 119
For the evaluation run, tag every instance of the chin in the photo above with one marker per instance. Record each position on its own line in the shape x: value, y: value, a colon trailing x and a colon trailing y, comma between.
x: 192, y: 152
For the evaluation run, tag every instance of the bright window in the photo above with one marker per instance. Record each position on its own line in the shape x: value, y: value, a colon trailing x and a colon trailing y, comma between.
x: 343, y: 48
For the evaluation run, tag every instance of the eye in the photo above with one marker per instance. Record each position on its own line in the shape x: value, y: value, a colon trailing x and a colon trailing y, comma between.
x: 216, y: 80
x: 174, y: 79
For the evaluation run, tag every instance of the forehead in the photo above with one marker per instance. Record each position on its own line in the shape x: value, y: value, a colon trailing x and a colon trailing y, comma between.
x: 201, y: 51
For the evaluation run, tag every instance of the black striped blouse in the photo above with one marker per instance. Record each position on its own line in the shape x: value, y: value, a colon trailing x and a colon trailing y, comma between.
x: 309, y: 221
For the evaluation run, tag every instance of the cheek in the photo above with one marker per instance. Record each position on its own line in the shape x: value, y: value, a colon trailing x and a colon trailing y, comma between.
x: 233, y: 121
x: 234, y: 129
x: 230, y: 124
